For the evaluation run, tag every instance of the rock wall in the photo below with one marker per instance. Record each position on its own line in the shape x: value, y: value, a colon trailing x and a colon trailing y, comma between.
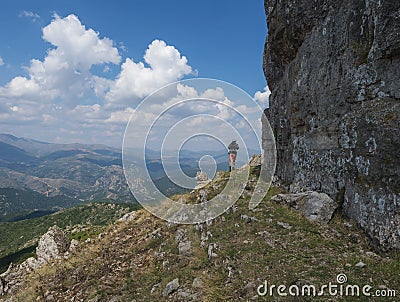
x: 334, y: 71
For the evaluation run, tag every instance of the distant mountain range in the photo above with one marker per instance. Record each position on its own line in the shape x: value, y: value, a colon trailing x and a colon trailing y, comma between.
x: 42, y: 176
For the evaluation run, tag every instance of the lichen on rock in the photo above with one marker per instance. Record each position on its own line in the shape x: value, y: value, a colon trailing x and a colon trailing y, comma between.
x: 332, y: 68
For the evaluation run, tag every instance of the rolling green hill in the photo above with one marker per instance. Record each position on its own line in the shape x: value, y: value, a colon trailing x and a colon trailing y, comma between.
x: 16, y: 203
x: 19, y: 238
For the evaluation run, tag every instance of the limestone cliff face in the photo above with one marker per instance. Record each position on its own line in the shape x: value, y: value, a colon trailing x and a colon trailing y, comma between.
x: 334, y: 71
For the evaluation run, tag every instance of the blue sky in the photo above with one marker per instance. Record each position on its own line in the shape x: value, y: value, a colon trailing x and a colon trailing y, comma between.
x: 214, y: 39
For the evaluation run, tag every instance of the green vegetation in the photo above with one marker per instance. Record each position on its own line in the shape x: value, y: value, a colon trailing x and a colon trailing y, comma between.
x: 15, y: 203
x: 18, y: 239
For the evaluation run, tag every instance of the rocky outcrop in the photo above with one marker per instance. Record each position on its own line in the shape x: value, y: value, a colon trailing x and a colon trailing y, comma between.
x: 317, y: 207
x: 128, y: 216
x: 255, y: 160
x: 171, y: 287
x: 332, y: 67
x: 202, y: 179
x: 52, y: 245
x: 184, y: 244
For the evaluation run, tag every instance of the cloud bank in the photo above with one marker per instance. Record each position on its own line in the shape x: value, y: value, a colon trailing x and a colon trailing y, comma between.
x: 62, y: 99
x: 62, y: 91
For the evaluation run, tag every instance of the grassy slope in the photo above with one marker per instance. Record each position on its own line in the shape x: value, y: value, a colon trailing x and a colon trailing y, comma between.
x: 134, y: 257
x: 19, y: 238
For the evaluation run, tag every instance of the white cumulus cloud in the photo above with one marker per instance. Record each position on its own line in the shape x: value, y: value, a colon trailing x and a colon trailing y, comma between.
x: 165, y: 65
x: 79, y: 45
x: 61, y: 98
x: 65, y: 71
x: 263, y: 97
x: 1, y: 61
x: 120, y: 116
